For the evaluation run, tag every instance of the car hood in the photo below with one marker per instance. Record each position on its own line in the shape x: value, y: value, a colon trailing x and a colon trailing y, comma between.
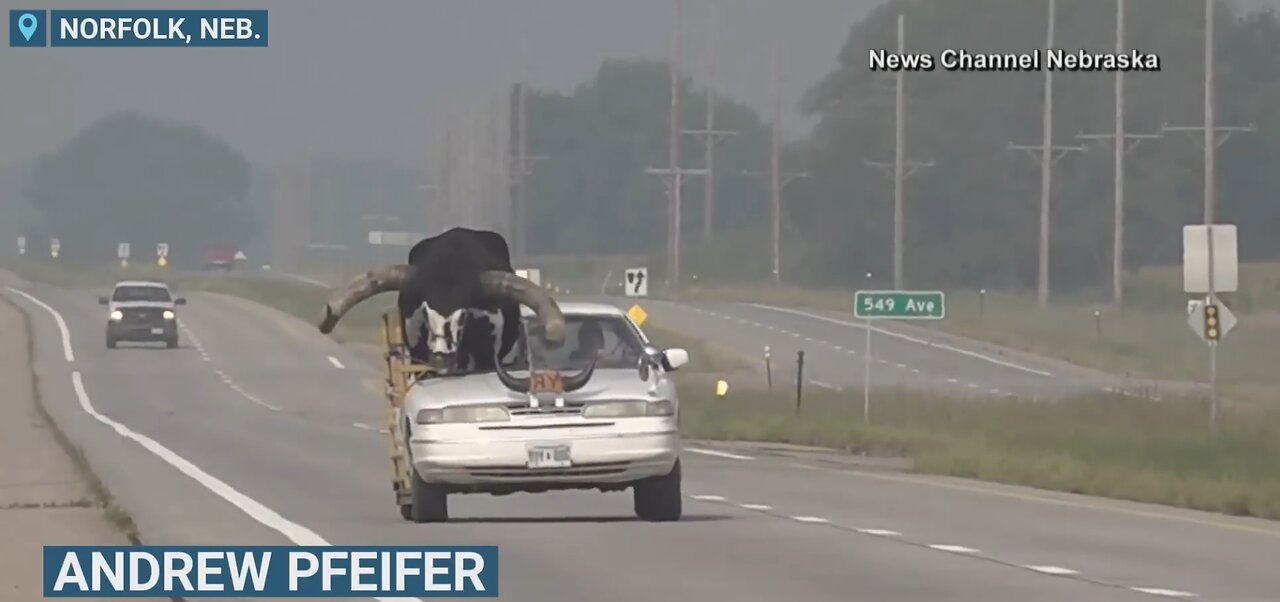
x: 114, y: 305
x: 486, y: 389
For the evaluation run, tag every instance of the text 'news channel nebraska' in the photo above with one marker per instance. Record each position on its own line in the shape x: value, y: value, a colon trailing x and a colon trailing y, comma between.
x: 137, y: 28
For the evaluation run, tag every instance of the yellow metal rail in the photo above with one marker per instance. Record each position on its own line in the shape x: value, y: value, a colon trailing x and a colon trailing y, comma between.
x: 400, y: 375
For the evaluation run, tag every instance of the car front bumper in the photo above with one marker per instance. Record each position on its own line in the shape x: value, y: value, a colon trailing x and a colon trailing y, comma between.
x: 142, y: 331
x: 604, y: 455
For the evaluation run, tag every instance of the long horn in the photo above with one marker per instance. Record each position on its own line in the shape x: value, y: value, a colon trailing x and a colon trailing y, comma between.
x: 373, y: 282
x: 579, y: 380
x: 509, y: 380
x: 506, y: 284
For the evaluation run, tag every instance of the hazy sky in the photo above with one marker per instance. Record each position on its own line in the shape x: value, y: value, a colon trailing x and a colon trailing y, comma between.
x: 362, y: 79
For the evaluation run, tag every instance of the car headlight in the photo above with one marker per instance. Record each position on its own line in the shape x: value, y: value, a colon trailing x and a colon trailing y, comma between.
x: 117, y: 315
x: 168, y: 315
x: 629, y: 409
x: 458, y: 414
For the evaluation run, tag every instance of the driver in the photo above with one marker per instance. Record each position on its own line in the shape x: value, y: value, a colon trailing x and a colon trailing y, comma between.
x: 590, y: 342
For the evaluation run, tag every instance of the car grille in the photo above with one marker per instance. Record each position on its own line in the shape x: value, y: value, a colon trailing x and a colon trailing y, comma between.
x: 143, y: 314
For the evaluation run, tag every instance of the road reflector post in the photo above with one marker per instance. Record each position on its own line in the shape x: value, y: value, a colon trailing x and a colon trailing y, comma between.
x: 1097, y: 323
x: 722, y: 388
x: 768, y: 368
x: 799, y: 379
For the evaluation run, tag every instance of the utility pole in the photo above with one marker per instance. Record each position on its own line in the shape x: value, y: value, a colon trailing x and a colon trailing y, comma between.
x: 777, y: 178
x: 711, y: 137
x: 1049, y: 154
x: 1210, y: 144
x: 674, y: 172
x: 901, y: 169
x: 1122, y: 144
x: 520, y: 172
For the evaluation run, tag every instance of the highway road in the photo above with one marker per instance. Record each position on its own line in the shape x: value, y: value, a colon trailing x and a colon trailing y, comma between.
x: 835, y: 347
x: 258, y: 430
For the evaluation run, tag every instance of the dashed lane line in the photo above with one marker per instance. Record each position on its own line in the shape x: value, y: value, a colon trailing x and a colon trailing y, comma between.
x: 717, y: 453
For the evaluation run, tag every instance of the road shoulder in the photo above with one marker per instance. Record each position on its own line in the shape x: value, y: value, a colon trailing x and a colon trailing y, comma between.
x: 46, y: 498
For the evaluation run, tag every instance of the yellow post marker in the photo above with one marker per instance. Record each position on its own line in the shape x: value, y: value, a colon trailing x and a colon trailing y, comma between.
x: 637, y: 314
x: 163, y: 261
x: 722, y: 388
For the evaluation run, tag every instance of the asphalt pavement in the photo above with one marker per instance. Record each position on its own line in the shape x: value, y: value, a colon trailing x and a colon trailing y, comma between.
x: 260, y: 431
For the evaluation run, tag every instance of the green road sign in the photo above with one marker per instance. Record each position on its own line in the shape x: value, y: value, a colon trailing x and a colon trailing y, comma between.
x: 900, y: 305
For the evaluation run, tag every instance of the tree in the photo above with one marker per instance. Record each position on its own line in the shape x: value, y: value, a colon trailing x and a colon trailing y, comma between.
x: 130, y: 178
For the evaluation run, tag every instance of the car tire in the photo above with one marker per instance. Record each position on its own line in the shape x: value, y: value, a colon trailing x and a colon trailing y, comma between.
x: 171, y: 342
x: 659, y: 499
x: 428, y: 502
x: 111, y: 342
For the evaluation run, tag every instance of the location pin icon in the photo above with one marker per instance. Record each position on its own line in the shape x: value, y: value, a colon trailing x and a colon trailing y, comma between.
x: 27, y: 25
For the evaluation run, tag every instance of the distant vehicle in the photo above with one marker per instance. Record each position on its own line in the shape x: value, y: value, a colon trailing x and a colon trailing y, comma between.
x: 471, y: 433
x: 220, y: 257
x: 141, y: 311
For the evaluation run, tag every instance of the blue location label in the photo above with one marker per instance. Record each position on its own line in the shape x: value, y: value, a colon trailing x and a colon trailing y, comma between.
x: 27, y: 25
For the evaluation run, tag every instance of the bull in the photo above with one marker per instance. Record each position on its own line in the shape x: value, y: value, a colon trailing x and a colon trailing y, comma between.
x: 459, y: 300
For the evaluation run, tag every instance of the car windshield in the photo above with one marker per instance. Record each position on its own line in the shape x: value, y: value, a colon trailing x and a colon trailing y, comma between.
x: 615, y: 339
x: 141, y: 293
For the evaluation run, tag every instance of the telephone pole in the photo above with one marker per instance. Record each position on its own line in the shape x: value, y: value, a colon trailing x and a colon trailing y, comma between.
x: 673, y: 173
x: 1049, y: 154
x: 901, y: 168
x: 1122, y: 144
x: 777, y: 178
x: 711, y: 137
x: 520, y: 172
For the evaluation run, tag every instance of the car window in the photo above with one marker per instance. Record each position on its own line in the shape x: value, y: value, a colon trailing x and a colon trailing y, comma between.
x: 141, y: 293
x: 612, y: 336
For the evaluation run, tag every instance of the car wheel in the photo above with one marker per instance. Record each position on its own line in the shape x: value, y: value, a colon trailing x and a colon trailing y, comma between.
x: 659, y: 499
x: 111, y: 342
x: 171, y: 342
x: 428, y: 502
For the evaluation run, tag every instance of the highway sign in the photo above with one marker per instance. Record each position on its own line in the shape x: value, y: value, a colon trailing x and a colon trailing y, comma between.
x: 162, y: 249
x: 638, y: 314
x: 1202, y: 322
x: 637, y: 282
x: 22, y: 245
x: 533, y: 275
x: 55, y: 246
x: 900, y: 305
x: 122, y: 250
x: 1195, y: 258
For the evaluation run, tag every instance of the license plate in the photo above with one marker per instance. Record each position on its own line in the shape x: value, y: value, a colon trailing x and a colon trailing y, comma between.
x: 157, y: 331
x: 556, y: 456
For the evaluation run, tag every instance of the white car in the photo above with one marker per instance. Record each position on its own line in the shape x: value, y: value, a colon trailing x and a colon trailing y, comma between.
x: 139, y: 310
x: 471, y: 434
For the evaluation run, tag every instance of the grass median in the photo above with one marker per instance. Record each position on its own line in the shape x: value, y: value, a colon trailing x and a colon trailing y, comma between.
x: 1111, y: 446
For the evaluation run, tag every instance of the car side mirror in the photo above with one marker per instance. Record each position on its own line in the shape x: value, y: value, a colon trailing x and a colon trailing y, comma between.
x: 103, y: 301
x: 673, y: 359
x: 180, y: 301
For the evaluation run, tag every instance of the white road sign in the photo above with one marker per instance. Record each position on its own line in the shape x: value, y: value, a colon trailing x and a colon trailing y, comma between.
x: 637, y: 282
x: 22, y: 245
x: 395, y: 239
x: 162, y: 249
x: 533, y: 275
x: 1195, y: 258
x: 122, y: 250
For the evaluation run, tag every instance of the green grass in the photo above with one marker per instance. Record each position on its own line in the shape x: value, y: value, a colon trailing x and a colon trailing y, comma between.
x: 1114, y: 446
x: 1138, y: 341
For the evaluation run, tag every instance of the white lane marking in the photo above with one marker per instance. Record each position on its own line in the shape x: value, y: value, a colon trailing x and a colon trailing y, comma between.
x: 810, y: 339
x: 1051, y: 570
x: 756, y: 506
x: 361, y: 425
x: 902, y: 366
x: 818, y: 383
x: 952, y: 380
x: 955, y: 549
x: 336, y: 364
x: 708, y: 498
x: 810, y: 519
x: 904, y: 337
x: 296, y: 533
x: 837, y: 348
x: 301, y: 278
x: 1156, y: 591
x: 880, y: 532
x: 718, y: 454
x: 57, y: 317
x: 995, y: 391
x: 882, y: 360
x: 915, y: 370
x: 972, y: 386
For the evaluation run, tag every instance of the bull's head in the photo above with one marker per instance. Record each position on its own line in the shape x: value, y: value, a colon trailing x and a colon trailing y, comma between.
x: 446, y: 323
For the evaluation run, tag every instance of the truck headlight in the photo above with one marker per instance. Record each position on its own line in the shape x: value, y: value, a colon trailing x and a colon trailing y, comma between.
x: 458, y: 414
x: 629, y: 409
x: 117, y: 315
x: 168, y: 315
